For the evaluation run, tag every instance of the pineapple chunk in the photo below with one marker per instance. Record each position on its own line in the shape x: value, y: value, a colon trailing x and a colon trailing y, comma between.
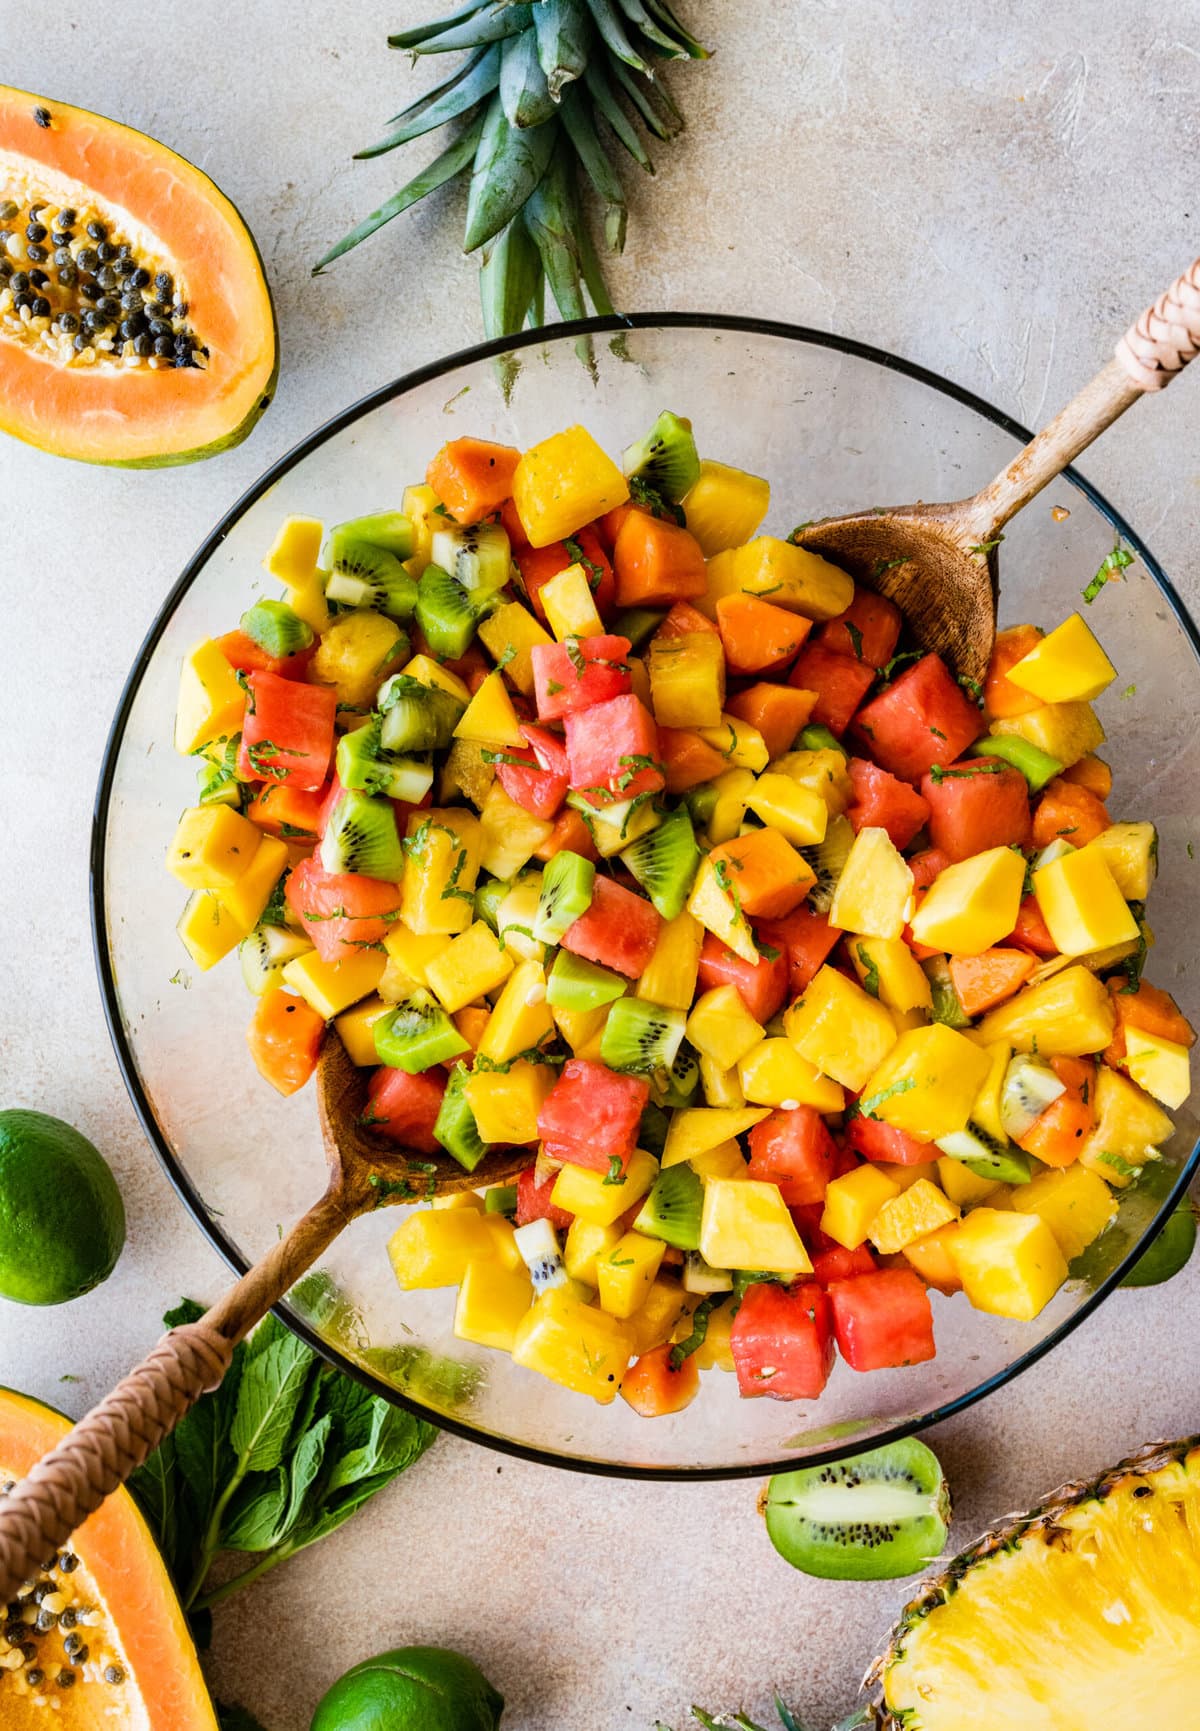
x: 613, y: 827
x: 920, y: 1208
x: 1081, y: 904
x: 441, y: 864
x: 928, y: 1083
x: 490, y: 719
x: 670, y: 977
x: 583, y: 1030
x: 962, y: 1185
x: 720, y: 1086
x: 413, y: 951
x: 774, y: 1074
x: 426, y: 671
x: 506, y: 1103
x: 852, y: 1203
x: 433, y: 1247
x: 563, y: 483
x: 1068, y: 666
x: 799, y: 814
x: 1067, y: 731
x: 1129, y: 1129
x: 211, y: 702
x: 985, y: 1113
x: 492, y: 1302
x: 714, y: 1351
x: 839, y: 1029
x: 722, y: 1027
x: 293, y: 554
x: 356, y: 654
x: 874, y: 894
x: 664, y: 1309
x: 933, y: 1259
x: 732, y: 790
x: 718, y: 913
x: 890, y: 972
x: 590, y: 1196
x: 356, y: 1030
x: 521, y: 1017
x: 246, y: 899
x: 725, y: 506
x: 307, y: 602
x: 1009, y: 1264
x: 420, y: 505
x: 697, y: 1129
x: 627, y: 1272
x: 469, y: 967
x: 331, y: 987
x: 503, y: 1237
x: 726, y: 1160
x: 574, y: 1344
x: 746, y: 1224
x: 687, y: 679
x: 570, y: 605
x: 1162, y: 1067
x: 212, y: 847
x: 788, y: 575
x: 515, y: 917
x: 208, y: 930
x: 513, y: 627
x: 1068, y: 1015
x: 823, y: 771
x: 465, y: 769
x: 1074, y: 1203
x: 740, y: 744
x: 1130, y: 851
x: 585, y: 1244
x: 972, y: 905
x: 508, y: 834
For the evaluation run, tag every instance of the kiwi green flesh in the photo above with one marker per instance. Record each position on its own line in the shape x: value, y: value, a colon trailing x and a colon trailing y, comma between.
x: 417, y: 717
x: 676, y: 1085
x: 445, y: 612
x: 665, y: 861
x: 673, y: 1209
x: 566, y: 895
x: 276, y: 629
x: 639, y: 1035
x: 416, y: 1034
x: 390, y: 530
x: 455, y: 1127
x: 827, y: 860
x: 361, y: 836
x: 576, y: 984
x: 882, y: 1515
x: 666, y: 459
x: 365, y: 767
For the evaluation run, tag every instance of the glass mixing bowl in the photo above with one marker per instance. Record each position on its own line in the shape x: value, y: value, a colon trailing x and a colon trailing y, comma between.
x: 835, y: 426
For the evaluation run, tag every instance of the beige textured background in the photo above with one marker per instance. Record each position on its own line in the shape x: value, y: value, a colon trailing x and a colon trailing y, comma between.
x: 991, y: 189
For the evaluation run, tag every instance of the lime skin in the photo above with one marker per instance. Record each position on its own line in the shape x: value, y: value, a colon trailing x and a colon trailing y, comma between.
x: 62, y: 1221
x: 411, y: 1689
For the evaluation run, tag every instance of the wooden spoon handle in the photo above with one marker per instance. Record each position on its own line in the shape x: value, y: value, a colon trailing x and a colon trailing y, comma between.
x: 1148, y: 356
x: 118, y: 1435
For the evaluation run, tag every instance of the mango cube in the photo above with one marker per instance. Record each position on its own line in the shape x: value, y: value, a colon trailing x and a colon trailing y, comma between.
x: 331, y: 987
x: 724, y: 506
x: 490, y: 719
x: 211, y: 702
x: 823, y: 772
x: 1067, y: 1015
x: 1009, y: 1264
x: 787, y: 575
x: 721, y: 1026
x: 888, y: 970
x: 774, y: 1074
x: 852, y: 1203
x: 570, y: 605
x: 212, y: 846
x: 746, y: 1224
x: 973, y: 904
x: 564, y: 482
x: 687, y: 678
x: 670, y: 976
x: 874, y: 894
x: 356, y: 1030
x: 441, y: 864
x: 1073, y: 1201
x: 513, y: 627
x: 520, y: 1018
x: 626, y: 1273
x: 413, y: 951
x: 1067, y: 666
x: 1081, y: 904
x: 433, y: 1247
x: 589, y: 1195
x: 1067, y: 731
x: 207, y: 929
x: 585, y: 1244
x: 246, y: 898
x: 839, y: 1029
x: 731, y: 797
x: 1129, y: 1128
x: 1162, y: 1067
x: 294, y: 553
x: 933, y: 1258
x: 920, y: 1208
x: 664, y: 1310
x: 573, y: 1344
x: 503, y: 1236
x: 695, y: 1130
x: 961, y: 1185
x: 583, y: 1030
x: 492, y: 1301
x: 471, y: 966
x: 506, y: 1103
x: 715, y: 909
x: 726, y: 1160
x: 928, y: 1082
x: 742, y: 745
x: 798, y: 812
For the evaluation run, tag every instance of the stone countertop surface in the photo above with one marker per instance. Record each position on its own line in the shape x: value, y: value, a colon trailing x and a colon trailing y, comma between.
x: 989, y: 190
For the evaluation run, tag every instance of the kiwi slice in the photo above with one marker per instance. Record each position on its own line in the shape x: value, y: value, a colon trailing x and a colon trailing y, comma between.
x: 478, y: 555
x: 417, y: 717
x: 876, y: 1517
x: 677, y: 1085
x: 446, y: 613
x: 828, y: 859
x: 367, y: 576
x: 538, y: 1245
x: 665, y: 861
x: 700, y: 1276
x: 265, y: 954
x: 489, y: 893
x: 639, y: 1035
x: 361, y: 836
x: 701, y: 803
x: 638, y: 624
x: 946, y: 1004
x: 276, y: 629
x: 566, y: 894
x: 986, y: 1157
x: 652, y: 1129
x: 219, y: 786
x: 666, y: 460
x: 416, y: 1034
x: 455, y: 1127
x: 821, y: 739
x: 363, y: 764
x: 673, y: 1208
x: 391, y: 530
x: 1168, y: 1252
x: 575, y: 984
x: 1027, y: 1089
x: 500, y: 1199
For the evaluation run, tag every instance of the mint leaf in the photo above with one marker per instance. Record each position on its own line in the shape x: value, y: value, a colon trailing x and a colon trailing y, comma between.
x: 256, y: 1514
x: 306, y: 1464
x: 272, y: 1387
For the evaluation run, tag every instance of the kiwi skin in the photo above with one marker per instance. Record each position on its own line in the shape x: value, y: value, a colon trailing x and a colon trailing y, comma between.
x: 639, y: 1035
x: 875, y: 1517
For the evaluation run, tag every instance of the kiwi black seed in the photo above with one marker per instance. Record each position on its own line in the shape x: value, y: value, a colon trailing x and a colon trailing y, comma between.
x: 878, y: 1516
x: 639, y: 1035
x: 566, y: 895
x: 361, y: 836
x: 828, y: 859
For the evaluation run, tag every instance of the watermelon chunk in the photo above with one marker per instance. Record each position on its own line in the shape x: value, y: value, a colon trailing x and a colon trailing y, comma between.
x: 794, y: 1150
x: 342, y: 912
x: 875, y: 1140
x: 980, y: 803
x: 922, y: 718
x: 537, y: 777
x: 576, y: 675
x: 840, y: 682
x: 613, y: 750
x: 883, y: 802
x: 591, y: 1115
x: 869, y: 629
x: 805, y: 938
x: 534, y: 1201
x: 619, y: 930
x: 404, y: 1108
x: 762, y: 987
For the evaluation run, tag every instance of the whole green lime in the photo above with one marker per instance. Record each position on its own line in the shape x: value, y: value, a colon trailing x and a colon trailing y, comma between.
x: 62, y: 1221
x: 411, y: 1689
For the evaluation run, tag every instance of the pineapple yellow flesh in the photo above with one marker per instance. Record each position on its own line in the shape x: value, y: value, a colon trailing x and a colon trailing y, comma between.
x: 564, y: 482
x: 874, y: 894
x: 513, y: 628
x: 789, y: 576
x: 839, y: 1028
x: 1066, y: 1016
x: 724, y: 506
x: 670, y: 977
x: 687, y: 679
x: 1067, y: 731
x: 570, y: 606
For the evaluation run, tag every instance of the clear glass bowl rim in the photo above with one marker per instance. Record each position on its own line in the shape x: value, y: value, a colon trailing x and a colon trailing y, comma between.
x: 218, y: 1238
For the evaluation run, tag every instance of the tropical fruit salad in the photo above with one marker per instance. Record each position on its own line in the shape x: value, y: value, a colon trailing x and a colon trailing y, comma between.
x: 598, y: 824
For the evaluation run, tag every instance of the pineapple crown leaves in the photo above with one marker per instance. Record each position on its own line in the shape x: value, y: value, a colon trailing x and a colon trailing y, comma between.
x: 546, y: 90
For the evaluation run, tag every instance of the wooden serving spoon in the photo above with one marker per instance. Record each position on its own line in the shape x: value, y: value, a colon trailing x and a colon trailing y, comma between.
x: 108, y: 1443
x: 938, y: 562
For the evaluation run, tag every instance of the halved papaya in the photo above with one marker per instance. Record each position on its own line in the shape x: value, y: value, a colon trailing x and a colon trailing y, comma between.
x: 136, y: 326
x: 119, y: 1653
